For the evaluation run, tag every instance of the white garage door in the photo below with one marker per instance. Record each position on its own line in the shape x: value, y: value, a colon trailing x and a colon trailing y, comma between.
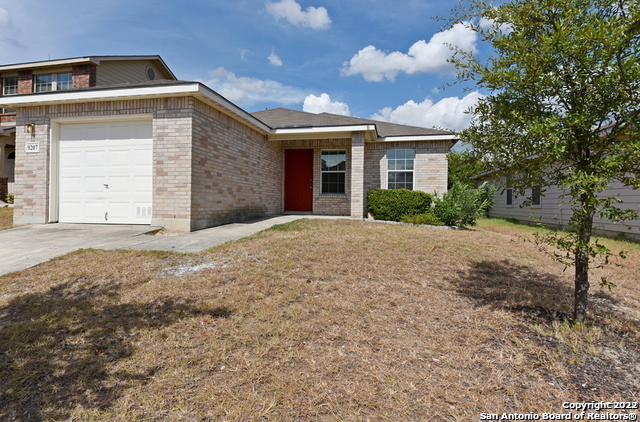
x: 106, y: 173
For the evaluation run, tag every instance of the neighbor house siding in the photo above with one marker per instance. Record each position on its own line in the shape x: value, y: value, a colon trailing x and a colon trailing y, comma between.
x: 123, y: 71
x: 554, y: 213
x: 236, y: 172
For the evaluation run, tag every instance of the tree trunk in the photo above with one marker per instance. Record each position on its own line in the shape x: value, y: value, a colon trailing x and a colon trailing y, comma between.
x: 582, y: 256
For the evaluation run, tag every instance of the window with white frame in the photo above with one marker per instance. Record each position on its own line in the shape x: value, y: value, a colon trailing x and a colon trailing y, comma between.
x: 52, y: 82
x: 9, y: 86
x: 334, y: 169
x: 400, y: 168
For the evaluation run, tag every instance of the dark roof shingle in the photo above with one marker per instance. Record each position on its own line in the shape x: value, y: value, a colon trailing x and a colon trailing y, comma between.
x: 280, y: 118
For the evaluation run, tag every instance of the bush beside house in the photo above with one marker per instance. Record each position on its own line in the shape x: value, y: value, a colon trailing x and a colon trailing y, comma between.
x: 393, y: 204
x: 457, y: 207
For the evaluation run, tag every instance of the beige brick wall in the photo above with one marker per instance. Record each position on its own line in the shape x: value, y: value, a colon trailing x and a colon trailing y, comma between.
x: 172, y: 157
x: 358, y: 201
x: 236, y: 171
x: 430, y: 173
x: 32, y: 169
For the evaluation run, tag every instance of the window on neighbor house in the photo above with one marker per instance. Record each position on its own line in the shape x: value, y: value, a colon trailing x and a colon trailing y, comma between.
x: 509, y: 194
x: 53, y: 82
x: 400, y: 166
x: 535, y: 196
x: 9, y: 86
x: 334, y: 170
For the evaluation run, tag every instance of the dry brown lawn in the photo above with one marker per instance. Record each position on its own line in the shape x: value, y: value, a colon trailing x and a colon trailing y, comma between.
x: 6, y: 218
x: 316, y: 320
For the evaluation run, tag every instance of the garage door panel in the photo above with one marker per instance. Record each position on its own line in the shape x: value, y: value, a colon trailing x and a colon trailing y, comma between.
x: 71, y: 185
x: 71, y: 159
x: 93, y: 185
x: 106, y: 173
x: 95, y: 158
x: 71, y: 208
x: 141, y: 185
x: 120, y: 211
x: 143, y: 130
x: 120, y: 185
x: 120, y: 158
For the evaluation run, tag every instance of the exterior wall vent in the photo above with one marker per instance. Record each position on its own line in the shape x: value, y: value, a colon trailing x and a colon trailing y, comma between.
x: 151, y: 74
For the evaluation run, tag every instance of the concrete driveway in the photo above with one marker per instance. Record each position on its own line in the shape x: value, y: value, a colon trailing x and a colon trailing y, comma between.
x: 26, y: 246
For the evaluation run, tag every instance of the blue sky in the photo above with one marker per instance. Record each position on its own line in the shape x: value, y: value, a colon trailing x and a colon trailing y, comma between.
x: 366, y: 58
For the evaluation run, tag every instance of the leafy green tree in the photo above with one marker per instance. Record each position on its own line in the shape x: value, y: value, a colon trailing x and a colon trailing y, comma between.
x: 562, y: 107
x: 462, y: 165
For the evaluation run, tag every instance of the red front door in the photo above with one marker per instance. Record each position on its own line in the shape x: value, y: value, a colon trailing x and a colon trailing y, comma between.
x: 298, y: 180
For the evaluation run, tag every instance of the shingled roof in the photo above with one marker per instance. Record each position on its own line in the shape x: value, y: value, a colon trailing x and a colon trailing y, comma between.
x: 281, y: 118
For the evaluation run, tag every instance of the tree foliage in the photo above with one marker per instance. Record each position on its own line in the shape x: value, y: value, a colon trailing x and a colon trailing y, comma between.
x: 462, y: 165
x: 563, y: 106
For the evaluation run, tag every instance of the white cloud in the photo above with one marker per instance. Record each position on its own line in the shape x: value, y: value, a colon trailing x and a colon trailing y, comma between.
x: 274, y: 60
x: 5, y: 18
x: 449, y: 113
x: 375, y: 65
x: 290, y: 10
x: 323, y: 103
x: 246, y: 91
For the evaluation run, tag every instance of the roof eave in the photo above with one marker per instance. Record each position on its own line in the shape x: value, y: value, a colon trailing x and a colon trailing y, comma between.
x: 322, y: 132
x: 195, y: 89
x: 83, y: 60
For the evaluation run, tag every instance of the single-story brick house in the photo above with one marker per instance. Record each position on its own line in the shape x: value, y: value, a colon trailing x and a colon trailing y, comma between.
x: 176, y: 154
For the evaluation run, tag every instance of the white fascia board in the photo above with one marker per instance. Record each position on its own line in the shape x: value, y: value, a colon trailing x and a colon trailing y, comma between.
x: 420, y: 138
x: 96, y: 94
x: 47, y: 63
x: 323, y: 129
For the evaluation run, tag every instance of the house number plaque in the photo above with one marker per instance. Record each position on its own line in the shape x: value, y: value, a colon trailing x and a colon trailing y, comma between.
x: 32, y: 147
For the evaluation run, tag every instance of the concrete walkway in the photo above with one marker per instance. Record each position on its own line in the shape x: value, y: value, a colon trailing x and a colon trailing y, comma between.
x: 26, y: 246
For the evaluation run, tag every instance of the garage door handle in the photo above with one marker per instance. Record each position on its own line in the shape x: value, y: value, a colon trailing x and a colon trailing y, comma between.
x: 106, y: 186
x: 106, y: 216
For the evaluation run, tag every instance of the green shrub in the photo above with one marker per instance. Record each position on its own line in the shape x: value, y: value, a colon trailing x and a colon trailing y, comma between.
x: 461, y: 206
x: 9, y: 198
x: 392, y: 204
x: 426, y: 218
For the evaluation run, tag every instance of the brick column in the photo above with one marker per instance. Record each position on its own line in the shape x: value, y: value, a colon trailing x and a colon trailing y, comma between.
x: 25, y: 82
x: 84, y: 76
x: 357, y: 175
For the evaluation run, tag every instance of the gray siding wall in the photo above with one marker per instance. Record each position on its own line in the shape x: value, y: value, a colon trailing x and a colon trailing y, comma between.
x: 553, y: 212
x: 125, y: 71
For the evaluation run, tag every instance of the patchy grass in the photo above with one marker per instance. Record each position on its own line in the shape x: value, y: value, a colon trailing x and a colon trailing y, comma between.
x: 317, y: 320
x: 6, y: 218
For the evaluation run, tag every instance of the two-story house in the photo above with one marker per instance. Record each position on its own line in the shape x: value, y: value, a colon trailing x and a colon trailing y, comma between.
x: 65, y: 75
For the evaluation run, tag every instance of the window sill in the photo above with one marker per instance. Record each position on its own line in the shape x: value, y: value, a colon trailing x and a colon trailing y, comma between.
x: 333, y: 194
